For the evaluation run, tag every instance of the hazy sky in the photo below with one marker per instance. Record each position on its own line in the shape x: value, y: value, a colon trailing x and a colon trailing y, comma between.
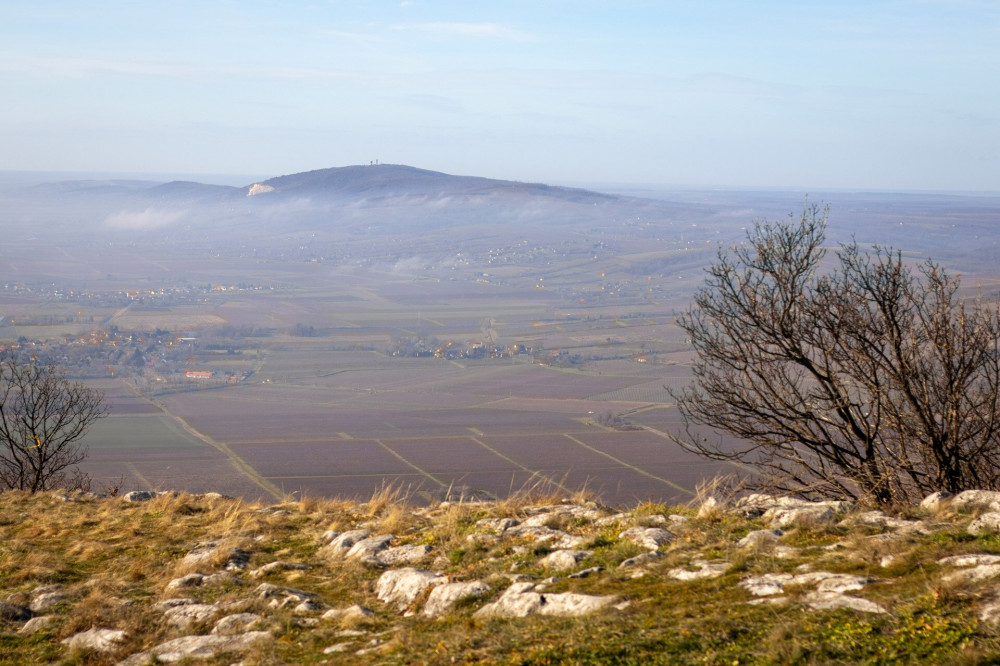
x: 871, y: 94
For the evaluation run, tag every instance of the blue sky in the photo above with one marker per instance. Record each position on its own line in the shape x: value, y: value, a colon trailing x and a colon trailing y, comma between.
x: 890, y: 95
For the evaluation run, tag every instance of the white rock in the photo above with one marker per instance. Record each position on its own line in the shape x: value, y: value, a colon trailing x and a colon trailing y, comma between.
x: 557, y: 538
x: 969, y: 560
x: 641, y: 559
x: 196, y: 647
x: 759, y: 538
x: 647, y: 537
x: 139, y: 496
x: 709, y: 508
x: 36, y: 624
x: 367, y: 549
x: 977, y: 499
x: 236, y: 624
x: 701, y: 569
x: 935, y: 501
x: 835, y: 600
x: 190, y: 580
x: 800, y: 515
x: 351, y: 613
x: 277, y: 566
x: 766, y: 585
x: 497, y: 524
x: 519, y: 600
x: 988, y: 523
x: 564, y: 559
x: 101, y: 640
x: 973, y: 574
x: 46, y: 600
x: 443, y: 597
x: 403, y: 555
x: 401, y: 587
x: 340, y: 545
x: 182, y: 617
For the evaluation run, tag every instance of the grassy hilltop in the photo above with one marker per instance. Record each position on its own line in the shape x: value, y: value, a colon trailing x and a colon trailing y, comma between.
x: 322, y: 581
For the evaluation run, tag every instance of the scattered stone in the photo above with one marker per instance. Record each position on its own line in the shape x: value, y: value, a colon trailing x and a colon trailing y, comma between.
x: 443, y: 597
x: 139, y: 496
x: 700, y: 569
x: 786, y: 516
x: 99, y: 640
x: 775, y: 583
x: 834, y: 600
x: 366, y: 550
x: 497, y: 524
x: 182, y: 617
x: 976, y: 499
x: 14, y: 613
x: 988, y: 523
x: 401, y: 587
x: 196, y: 647
x: 36, y: 624
x: 766, y: 585
x: 403, y: 555
x: 539, y: 534
x: 238, y: 623
x: 936, y: 501
x: 647, y: 537
x: 282, y: 597
x: 710, y: 508
x: 46, y: 600
x: 640, y: 560
x: 969, y: 560
x: 880, y: 519
x: 351, y: 614
x: 564, y: 559
x: 340, y: 544
x: 519, y: 600
x: 586, y: 572
x: 273, y: 567
x: 190, y: 580
x: 205, y: 554
x: 973, y: 574
x: 759, y: 538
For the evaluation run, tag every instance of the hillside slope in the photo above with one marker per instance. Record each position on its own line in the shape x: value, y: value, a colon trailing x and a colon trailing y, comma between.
x: 532, y: 580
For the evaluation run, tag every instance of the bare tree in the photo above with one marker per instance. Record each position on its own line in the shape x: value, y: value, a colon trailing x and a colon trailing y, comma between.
x: 869, y: 379
x: 43, y: 416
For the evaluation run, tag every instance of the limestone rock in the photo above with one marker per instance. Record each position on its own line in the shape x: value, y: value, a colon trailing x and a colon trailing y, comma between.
x: 282, y: 597
x: 834, y: 600
x: 786, y: 516
x: 205, y: 554
x: 640, y: 560
x: 403, y: 555
x: 988, y: 523
x: 759, y: 538
x: 196, y: 647
x: 237, y: 623
x: 44, y: 598
x: 540, y: 534
x: 647, y: 537
x: 973, y: 574
x: 936, y: 501
x: 564, y: 559
x: 699, y: 569
x: 36, y: 624
x: 182, y: 617
x: 340, y: 544
x: 971, y: 560
x: 273, y: 567
x: 100, y: 640
x: 977, y: 499
x: 351, y: 614
x: 401, y: 587
x: 139, y: 496
x: 443, y: 597
x: 497, y: 524
x: 709, y: 508
x: 519, y: 600
x: 366, y: 550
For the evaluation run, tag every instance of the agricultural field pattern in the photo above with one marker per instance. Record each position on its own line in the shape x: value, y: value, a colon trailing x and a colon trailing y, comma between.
x: 334, y: 332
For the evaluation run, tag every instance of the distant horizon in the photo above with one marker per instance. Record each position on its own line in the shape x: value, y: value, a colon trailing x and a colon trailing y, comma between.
x: 30, y: 177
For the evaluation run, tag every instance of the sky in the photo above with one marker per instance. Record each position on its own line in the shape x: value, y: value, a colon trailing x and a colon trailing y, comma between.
x: 876, y: 95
